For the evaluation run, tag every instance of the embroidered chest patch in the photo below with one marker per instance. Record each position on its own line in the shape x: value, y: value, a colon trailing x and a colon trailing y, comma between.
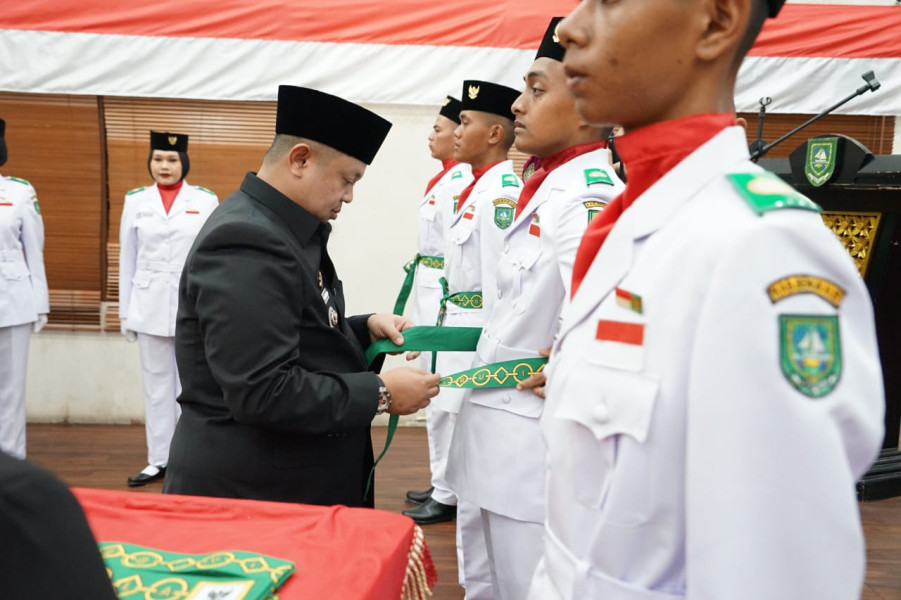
x: 535, y: 226
x: 810, y: 353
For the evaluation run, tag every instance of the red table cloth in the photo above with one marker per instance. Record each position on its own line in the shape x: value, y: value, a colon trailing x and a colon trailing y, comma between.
x: 338, y: 552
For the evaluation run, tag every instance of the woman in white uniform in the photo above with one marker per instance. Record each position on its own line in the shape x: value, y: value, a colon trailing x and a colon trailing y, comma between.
x: 159, y: 224
x: 24, y: 302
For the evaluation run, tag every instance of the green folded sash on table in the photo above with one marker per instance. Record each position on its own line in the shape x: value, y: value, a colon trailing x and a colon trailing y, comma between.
x: 140, y: 572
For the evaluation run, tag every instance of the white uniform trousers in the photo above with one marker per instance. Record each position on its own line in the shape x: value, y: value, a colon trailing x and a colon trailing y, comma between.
x: 13, y: 367
x: 514, y: 549
x: 161, y: 388
x: 440, y: 428
x: 472, y: 553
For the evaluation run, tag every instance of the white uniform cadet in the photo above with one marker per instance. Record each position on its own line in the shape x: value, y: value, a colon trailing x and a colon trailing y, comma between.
x: 713, y: 396
x: 153, y: 247
x: 497, y: 454
x: 435, y: 212
x: 436, y: 209
x: 474, y: 242
x: 24, y: 301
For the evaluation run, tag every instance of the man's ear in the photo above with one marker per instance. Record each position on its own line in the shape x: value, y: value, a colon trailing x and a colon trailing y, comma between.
x: 299, y: 158
x: 495, y: 134
x: 725, y: 22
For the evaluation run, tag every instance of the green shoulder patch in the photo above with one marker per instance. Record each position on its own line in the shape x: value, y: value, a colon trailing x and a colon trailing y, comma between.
x: 593, y: 176
x: 457, y: 175
x: 509, y: 180
x: 504, y: 210
x: 19, y: 180
x: 810, y: 353
x: 203, y: 189
x: 766, y: 191
x: 37, y: 207
x: 135, y: 191
x: 594, y: 208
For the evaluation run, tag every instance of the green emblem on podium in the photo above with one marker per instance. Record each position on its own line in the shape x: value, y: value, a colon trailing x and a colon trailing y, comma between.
x: 810, y: 353
x: 820, y: 163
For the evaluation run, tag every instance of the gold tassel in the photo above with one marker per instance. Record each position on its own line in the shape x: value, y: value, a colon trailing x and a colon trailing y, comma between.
x: 416, y: 586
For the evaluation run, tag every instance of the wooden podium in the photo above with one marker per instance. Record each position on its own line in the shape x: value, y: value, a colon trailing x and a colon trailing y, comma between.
x: 861, y: 198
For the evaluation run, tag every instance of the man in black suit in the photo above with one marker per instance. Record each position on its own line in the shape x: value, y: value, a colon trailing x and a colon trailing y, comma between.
x: 276, y: 397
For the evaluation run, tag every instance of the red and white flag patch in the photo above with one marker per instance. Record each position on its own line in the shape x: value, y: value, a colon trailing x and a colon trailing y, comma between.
x: 535, y: 226
x: 619, y: 345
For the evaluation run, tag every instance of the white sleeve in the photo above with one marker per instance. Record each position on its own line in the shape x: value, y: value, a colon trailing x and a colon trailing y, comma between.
x: 33, y: 245
x: 128, y: 255
x: 569, y: 223
x: 771, y: 464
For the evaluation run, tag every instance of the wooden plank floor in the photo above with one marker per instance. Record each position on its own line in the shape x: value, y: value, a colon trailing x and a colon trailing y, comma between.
x: 103, y: 456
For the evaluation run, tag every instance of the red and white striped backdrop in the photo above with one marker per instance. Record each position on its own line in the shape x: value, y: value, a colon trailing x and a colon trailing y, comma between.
x: 398, y: 52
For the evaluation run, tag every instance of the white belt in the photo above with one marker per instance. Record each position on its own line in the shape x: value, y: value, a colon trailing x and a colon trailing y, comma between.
x: 576, y: 579
x: 12, y: 256
x: 163, y: 267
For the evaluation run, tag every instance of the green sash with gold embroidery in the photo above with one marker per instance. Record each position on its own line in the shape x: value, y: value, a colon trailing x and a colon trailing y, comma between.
x: 138, y: 572
x: 432, y: 262
x: 500, y: 374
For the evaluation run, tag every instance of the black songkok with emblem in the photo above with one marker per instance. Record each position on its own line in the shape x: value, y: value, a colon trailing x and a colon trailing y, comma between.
x: 550, y: 45
x: 170, y: 142
x: 330, y: 120
x: 489, y: 97
x: 2, y: 142
x: 451, y: 109
x: 775, y: 6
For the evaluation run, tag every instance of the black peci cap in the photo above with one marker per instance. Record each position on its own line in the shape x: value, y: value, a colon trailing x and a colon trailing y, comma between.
x: 451, y: 109
x: 171, y: 142
x: 489, y: 97
x: 330, y: 120
x: 2, y: 142
x: 550, y: 45
x: 775, y: 6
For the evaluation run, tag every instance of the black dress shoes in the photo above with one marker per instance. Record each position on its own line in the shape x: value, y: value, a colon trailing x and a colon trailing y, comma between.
x: 418, y: 497
x: 430, y: 512
x: 147, y: 476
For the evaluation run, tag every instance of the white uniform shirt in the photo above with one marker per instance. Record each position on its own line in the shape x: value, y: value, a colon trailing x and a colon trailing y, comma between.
x: 153, y: 248
x: 498, y: 455
x: 474, y: 241
x: 435, y: 212
x: 23, y: 282
x: 682, y: 460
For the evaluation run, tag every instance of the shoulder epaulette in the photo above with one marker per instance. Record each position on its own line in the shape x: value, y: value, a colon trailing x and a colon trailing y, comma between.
x: 19, y: 180
x: 135, y: 191
x: 509, y: 180
x: 203, y: 189
x: 766, y: 191
x: 593, y: 176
